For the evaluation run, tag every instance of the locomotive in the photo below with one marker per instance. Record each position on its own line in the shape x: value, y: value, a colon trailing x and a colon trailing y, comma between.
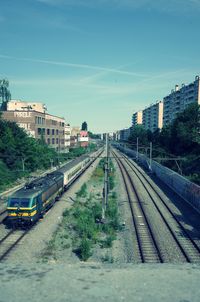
x: 29, y: 203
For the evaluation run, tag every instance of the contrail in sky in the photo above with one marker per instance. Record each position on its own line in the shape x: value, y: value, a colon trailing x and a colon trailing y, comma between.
x: 74, y: 65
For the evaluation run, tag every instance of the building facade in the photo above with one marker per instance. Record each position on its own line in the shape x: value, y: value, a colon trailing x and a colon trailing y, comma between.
x: 67, y: 135
x: 75, y: 131
x: 152, y: 117
x: 124, y: 134
x: 137, y: 118
x: 179, y: 99
x: 37, y: 123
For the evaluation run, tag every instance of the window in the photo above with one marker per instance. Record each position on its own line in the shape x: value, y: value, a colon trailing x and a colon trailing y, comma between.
x: 39, y: 131
x: 48, y: 141
x: 53, y: 131
x: 16, y: 202
x: 56, y: 132
x: 48, y: 131
x: 53, y: 141
x: 57, y: 141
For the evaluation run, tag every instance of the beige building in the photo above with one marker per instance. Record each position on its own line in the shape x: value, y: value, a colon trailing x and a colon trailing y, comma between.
x: 152, y: 118
x: 37, y: 123
x: 179, y: 99
x: 75, y: 132
x: 137, y: 118
x: 67, y: 135
x: 15, y: 105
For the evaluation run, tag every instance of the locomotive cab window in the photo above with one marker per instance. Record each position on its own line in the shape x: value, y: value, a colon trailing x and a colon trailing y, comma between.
x: 22, y: 202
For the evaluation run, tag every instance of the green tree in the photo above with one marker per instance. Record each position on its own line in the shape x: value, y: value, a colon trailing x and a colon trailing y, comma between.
x: 140, y: 133
x: 84, y: 126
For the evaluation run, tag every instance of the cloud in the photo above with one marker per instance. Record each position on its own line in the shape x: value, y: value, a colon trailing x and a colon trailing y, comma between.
x: 75, y: 65
x: 160, y: 5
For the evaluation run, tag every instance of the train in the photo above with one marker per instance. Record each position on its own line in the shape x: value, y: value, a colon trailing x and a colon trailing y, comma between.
x: 28, y: 204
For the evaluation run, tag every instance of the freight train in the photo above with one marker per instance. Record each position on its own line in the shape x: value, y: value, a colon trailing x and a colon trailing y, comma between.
x: 29, y: 203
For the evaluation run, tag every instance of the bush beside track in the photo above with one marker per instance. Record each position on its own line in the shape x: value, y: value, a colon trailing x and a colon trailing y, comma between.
x: 81, y: 230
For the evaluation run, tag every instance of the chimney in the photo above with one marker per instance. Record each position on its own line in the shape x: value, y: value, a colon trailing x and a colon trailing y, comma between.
x: 176, y: 88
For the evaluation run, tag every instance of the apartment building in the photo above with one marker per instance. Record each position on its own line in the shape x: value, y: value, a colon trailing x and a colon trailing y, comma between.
x: 152, y: 117
x: 67, y: 135
x: 124, y: 134
x: 37, y: 122
x: 137, y: 118
x: 75, y: 131
x: 179, y: 99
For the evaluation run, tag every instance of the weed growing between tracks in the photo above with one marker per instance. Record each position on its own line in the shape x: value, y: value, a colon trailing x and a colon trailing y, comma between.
x: 81, y: 230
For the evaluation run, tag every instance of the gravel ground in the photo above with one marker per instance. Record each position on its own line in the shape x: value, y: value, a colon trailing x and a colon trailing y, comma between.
x: 23, y: 278
x: 31, y: 246
x: 167, y: 245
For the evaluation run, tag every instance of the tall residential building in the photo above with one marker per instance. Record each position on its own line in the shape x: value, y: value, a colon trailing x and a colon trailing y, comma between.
x: 124, y: 134
x: 37, y: 122
x: 137, y: 118
x: 152, y: 118
x: 179, y: 99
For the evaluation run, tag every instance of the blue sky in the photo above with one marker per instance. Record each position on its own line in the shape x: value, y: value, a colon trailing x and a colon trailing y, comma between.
x: 101, y: 60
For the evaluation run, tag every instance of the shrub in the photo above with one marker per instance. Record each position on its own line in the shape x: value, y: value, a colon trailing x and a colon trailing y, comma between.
x: 82, y: 192
x: 84, y: 250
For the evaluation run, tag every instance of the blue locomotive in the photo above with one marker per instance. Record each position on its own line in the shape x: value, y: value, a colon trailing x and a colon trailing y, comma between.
x: 29, y: 203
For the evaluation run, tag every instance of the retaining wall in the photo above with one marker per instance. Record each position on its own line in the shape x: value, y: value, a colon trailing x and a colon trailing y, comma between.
x: 186, y: 189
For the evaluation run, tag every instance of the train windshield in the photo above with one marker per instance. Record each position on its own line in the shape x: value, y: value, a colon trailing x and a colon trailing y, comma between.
x: 19, y: 202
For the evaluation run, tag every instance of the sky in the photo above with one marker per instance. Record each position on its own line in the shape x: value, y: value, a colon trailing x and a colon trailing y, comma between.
x: 98, y: 60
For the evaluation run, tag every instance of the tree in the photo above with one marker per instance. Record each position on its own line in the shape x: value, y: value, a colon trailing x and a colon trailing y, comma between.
x: 5, y: 94
x: 140, y: 133
x: 183, y: 135
x: 84, y: 126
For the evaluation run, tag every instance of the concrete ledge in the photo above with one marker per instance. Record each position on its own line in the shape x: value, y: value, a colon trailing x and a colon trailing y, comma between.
x: 97, y: 282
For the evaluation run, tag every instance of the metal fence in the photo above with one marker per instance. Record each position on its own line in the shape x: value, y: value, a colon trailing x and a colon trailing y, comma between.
x: 186, y: 189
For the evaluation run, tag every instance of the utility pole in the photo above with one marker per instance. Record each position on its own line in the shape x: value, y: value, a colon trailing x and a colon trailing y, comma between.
x: 150, y: 156
x: 137, y: 149
x: 51, y: 161
x: 105, y: 190
x: 23, y: 164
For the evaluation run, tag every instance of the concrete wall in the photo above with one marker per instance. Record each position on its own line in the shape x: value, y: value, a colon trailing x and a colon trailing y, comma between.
x: 186, y: 189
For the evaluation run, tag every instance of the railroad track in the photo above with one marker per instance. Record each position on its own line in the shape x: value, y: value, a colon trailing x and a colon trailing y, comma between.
x: 13, y: 238
x: 187, y: 245
x: 148, y: 249
x: 10, y: 241
x: 2, y: 215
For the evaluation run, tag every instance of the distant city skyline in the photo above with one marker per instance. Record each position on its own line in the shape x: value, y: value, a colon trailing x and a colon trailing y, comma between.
x: 98, y: 61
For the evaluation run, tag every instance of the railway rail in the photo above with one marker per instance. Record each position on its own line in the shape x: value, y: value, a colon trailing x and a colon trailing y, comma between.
x: 189, y: 248
x: 149, y: 251
x: 10, y: 241
x: 14, y: 236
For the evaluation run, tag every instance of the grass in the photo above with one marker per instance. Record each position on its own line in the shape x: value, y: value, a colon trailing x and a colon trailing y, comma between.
x: 82, y: 192
x: 81, y: 228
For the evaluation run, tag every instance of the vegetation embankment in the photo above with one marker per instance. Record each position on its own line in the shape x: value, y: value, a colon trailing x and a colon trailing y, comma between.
x: 181, y: 140
x: 21, y: 154
x: 81, y: 230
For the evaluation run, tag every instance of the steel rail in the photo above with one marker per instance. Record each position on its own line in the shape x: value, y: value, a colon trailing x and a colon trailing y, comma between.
x: 2, y: 257
x: 188, y: 258
x: 139, y: 203
x: 4, y: 254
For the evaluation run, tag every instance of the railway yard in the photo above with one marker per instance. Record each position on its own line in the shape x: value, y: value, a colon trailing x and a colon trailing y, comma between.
x: 154, y: 237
